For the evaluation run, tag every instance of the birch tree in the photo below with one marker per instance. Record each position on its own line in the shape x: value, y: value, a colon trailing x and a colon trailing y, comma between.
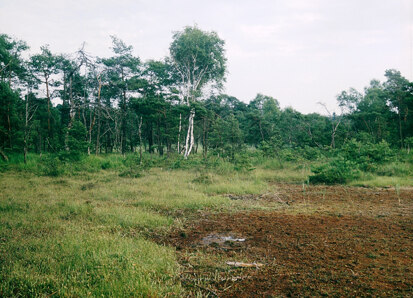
x: 198, y: 57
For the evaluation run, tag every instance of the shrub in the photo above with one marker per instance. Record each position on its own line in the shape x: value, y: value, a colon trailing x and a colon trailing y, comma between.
x: 179, y: 162
x: 71, y: 155
x: 289, y: 154
x: 242, y: 162
x: 311, y: 153
x: 134, y: 172
x: 76, y: 138
x: 271, y: 148
x: 52, y: 166
x: 203, y: 178
x: 133, y: 167
x: 106, y: 165
x: 218, y: 165
x: 367, y: 155
x: 336, y: 171
x: 130, y: 161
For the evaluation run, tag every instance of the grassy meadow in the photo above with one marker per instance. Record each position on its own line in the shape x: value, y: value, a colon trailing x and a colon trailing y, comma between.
x: 87, y: 228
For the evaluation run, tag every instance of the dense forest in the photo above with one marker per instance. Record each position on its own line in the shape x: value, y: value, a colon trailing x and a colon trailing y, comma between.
x: 76, y: 104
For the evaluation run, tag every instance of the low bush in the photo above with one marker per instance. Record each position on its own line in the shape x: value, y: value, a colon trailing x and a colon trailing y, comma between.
x: 133, y: 172
x: 51, y: 166
x: 310, y: 153
x: 367, y: 155
x: 242, y: 162
x: 337, y: 171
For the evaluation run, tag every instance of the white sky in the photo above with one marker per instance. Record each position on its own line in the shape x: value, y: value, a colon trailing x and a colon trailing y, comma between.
x: 298, y: 51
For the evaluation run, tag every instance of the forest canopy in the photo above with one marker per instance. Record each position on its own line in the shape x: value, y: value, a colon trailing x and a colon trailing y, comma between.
x: 81, y: 104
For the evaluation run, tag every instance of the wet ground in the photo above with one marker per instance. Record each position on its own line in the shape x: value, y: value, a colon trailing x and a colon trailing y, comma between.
x: 308, y: 241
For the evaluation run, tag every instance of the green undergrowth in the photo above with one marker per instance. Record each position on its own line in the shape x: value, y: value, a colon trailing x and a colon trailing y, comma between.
x: 372, y: 164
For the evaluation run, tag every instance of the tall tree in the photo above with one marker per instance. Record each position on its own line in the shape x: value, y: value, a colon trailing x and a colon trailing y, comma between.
x: 9, y: 119
x: 400, y: 96
x: 74, y: 87
x: 12, y: 69
x: 44, y: 66
x: 120, y: 69
x: 11, y: 62
x: 198, y: 57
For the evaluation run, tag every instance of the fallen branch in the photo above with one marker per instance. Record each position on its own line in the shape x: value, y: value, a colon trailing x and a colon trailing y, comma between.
x: 245, y: 265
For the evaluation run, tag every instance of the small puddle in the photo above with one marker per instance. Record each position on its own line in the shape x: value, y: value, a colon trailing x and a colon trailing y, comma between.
x: 220, y: 239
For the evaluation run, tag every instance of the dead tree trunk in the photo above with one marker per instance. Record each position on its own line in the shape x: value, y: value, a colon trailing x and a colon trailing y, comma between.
x: 334, y: 126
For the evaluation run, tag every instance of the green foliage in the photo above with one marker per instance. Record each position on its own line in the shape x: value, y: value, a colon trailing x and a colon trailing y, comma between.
x: 242, y: 162
x: 200, y: 56
x: 409, y: 143
x: 271, y: 148
x: 120, y: 105
x: 353, y: 157
x: 226, y: 137
x: 367, y: 155
x: 77, y: 138
x: 9, y: 120
x: 203, y: 178
x: 133, y: 167
x: 52, y: 166
x: 133, y: 172
x: 11, y: 63
x: 179, y: 162
x: 397, y: 169
x: 337, y: 171
x: 310, y: 153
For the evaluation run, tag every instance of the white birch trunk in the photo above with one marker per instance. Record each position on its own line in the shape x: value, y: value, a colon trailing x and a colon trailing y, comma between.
x: 179, y: 131
x: 190, y: 134
x: 140, y: 140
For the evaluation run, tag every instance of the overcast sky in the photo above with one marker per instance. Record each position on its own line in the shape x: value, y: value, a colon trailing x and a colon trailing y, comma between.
x: 298, y: 51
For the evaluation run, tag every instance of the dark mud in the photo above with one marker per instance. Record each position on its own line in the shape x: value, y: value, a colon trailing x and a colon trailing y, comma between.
x: 335, y: 249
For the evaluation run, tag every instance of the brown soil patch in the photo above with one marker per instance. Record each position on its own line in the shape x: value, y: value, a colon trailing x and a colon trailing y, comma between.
x: 303, y: 254
x: 341, y: 200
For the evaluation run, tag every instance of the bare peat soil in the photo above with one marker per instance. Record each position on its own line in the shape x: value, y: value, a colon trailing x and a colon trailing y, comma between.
x: 335, y: 241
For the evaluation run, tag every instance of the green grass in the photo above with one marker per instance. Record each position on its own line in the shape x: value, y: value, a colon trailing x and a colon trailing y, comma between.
x: 81, y: 263
x: 235, y: 183
x: 86, y: 234
x: 59, y: 239
x: 88, y: 231
x: 383, y: 181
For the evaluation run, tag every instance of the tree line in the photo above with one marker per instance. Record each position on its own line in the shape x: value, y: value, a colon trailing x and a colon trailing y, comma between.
x: 174, y: 105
